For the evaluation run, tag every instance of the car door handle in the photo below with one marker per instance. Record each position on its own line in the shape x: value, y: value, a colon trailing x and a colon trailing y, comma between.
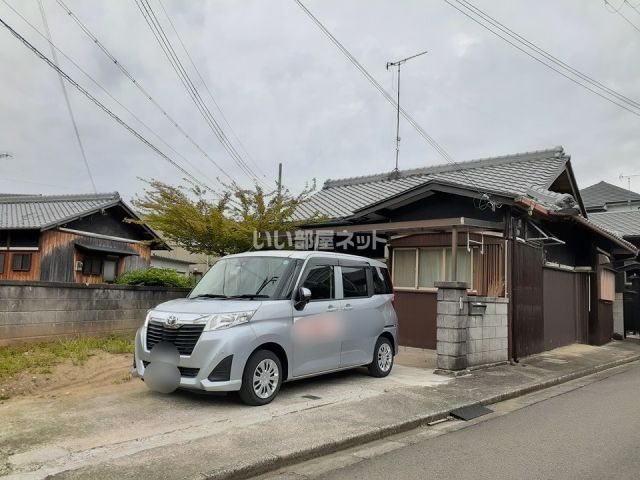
x: 331, y: 308
x: 348, y: 307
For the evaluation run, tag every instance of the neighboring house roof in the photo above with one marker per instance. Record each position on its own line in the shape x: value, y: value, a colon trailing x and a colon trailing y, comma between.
x: 623, y: 224
x: 601, y: 193
x: 511, y: 174
x: 42, y: 212
x: 155, y: 254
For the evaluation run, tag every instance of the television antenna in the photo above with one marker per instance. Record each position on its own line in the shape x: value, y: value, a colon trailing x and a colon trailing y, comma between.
x: 629, y: 177
x: 397, y: 64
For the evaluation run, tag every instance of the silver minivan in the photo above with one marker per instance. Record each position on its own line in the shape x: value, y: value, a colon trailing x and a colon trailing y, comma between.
x: 258, y: 319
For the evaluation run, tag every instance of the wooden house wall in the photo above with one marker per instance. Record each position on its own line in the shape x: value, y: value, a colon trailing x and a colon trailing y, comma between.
x: 32, y: 274
x: 59, y: 254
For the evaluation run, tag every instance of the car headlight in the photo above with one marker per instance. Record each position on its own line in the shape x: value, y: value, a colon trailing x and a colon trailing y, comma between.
x: 220, y: 321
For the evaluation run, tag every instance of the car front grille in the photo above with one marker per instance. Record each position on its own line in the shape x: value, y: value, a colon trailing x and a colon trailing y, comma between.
x: 184, y: 338
x: 184, y: 371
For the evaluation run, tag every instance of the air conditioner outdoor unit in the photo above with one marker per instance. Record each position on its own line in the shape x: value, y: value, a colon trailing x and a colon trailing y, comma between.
x: 78, y: 266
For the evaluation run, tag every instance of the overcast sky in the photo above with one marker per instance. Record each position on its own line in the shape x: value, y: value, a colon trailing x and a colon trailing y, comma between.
x: 291, y: 97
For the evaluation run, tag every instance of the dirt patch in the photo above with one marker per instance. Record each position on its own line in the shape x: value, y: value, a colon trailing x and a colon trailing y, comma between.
x: 101, y: 370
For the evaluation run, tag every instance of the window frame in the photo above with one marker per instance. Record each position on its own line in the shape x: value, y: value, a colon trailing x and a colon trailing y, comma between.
x: 416, y: 284
x: 91, y: 261
x: 21, y: 255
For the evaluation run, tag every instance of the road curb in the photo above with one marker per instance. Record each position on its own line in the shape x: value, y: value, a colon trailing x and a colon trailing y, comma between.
x: 267, y: 463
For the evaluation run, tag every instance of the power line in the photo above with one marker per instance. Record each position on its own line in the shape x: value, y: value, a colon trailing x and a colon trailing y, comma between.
x: 224, y: 118
x: 617, y: 10
x: 97, y: 84
x: 66, y: 97
x: 436, y: 146
x: 140, y: 87
x: 628, y: 105
x: 165, y: 44
x: 105, y: 109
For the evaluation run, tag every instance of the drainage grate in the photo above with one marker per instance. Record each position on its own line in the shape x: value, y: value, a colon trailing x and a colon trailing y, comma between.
x: 469, y: 413
x: 311, y: 397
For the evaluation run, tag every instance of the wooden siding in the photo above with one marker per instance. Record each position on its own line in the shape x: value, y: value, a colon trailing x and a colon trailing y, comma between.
x: 59, y: 254
x: 416, y: 318
x: 566, y: 308
x: 9, y: 274
x: 527, y: 298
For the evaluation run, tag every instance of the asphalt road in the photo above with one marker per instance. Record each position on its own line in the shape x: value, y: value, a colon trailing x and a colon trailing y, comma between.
x: 589, y: 433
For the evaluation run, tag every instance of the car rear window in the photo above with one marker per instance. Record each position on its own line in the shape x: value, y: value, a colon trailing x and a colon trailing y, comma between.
x: 381, y: 281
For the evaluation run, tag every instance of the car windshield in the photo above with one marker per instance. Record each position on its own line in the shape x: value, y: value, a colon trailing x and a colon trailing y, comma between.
x: 243, y: 277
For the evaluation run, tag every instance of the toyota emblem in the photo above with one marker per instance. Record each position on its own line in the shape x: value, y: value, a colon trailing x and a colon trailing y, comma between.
x: 172, y: 322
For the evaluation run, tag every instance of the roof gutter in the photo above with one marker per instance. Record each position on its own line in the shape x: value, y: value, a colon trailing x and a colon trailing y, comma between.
x: 534, y: 207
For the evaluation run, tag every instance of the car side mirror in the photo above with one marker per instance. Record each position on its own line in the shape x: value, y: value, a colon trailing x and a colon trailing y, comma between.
x: 303, y: 295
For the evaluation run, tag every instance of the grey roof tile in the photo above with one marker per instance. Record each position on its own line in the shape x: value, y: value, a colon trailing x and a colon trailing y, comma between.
x: 623, y: 224
x: 511, y: 174
x: 40, y: 211
x: 601, y: 193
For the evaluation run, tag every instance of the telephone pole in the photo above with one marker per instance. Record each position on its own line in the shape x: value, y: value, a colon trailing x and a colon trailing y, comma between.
x: 279, y: 181
x: 397, y: 64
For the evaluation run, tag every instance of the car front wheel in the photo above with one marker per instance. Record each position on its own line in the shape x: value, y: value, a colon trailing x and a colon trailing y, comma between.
x: 261, y: 379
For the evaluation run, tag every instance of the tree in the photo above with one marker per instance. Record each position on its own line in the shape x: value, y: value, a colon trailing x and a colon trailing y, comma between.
x: 187, y: 217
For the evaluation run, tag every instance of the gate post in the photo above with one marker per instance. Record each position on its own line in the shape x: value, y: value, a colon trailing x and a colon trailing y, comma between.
x: 452, y: 322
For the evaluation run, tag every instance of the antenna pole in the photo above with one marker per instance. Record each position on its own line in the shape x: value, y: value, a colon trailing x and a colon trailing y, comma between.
x: 397, y: 64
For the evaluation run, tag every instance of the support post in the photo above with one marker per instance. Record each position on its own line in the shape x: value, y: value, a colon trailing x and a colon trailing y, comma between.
x: 452, y: 323
x: 453, y: 275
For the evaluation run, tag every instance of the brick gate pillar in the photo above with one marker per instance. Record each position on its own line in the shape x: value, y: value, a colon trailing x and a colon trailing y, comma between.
x: 452, y: 323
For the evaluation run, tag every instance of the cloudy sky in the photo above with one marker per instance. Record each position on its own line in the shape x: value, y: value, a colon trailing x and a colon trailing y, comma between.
x: 291, y: 97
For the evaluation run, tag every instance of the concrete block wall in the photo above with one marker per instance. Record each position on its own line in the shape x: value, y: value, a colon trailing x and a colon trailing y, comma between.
x: 452, y: 316
x: 36, y: 311
x: 618, y: 314
x: 488, y: 334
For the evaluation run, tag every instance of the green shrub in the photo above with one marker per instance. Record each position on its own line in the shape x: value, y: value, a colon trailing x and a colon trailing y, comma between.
x: 155, y: 277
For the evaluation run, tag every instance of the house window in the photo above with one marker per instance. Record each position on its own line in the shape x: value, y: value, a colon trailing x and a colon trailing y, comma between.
x: 404, y: 267
x: 21, y: 262
x: 1, y: 263
x: 354, y: 282
x: 91, y: 266
x: 433, y: 264
x: 607, y: 285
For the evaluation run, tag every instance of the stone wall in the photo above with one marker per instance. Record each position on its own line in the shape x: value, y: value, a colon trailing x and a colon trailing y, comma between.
x: 32, y: 311
x: 488, y: 337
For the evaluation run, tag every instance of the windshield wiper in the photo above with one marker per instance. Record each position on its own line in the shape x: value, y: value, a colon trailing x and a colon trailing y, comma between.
x: 249, y: 295
x: 210, y: 295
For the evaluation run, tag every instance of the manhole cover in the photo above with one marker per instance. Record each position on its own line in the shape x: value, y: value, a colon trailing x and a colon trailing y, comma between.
x: 469, y: 413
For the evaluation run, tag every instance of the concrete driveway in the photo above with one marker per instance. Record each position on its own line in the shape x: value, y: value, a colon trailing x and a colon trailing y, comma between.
x: 49, y: 436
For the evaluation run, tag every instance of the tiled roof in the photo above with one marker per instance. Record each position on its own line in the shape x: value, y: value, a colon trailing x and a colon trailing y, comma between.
x: 599, y: 194
x: 40, y: 211
x: 510, y: 174
x: 623, y: 224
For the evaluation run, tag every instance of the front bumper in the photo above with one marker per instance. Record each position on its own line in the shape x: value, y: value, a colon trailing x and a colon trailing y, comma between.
x: 211, y: 349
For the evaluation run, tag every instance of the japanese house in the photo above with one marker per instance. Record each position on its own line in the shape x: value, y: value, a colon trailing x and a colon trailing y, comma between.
x: 71, y: 238
x: 513, y: 226
x: 618, y: 210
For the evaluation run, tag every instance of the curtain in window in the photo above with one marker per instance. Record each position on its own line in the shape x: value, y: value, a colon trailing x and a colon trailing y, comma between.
x: 430, y: 267
x: 404, y: 268
x: 463, y: 270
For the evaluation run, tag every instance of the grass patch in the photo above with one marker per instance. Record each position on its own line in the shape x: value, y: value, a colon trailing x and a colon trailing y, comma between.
x: 40, y: 357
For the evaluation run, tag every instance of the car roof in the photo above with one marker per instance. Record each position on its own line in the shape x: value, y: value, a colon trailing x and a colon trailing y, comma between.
x: 304, y: 254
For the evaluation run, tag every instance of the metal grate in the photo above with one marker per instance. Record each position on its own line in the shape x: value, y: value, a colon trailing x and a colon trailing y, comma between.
x: 184, y: 338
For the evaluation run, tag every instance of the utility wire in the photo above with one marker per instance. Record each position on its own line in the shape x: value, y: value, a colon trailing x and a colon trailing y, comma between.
x: 105, y: 109
x: 97, y: 84
x: 547, y: 55
x: 617, y: 10
x: 485, y: 200
x: 224, y: 118
x: 166, y: 46
x: 626, y: 105
x: 66, y: 98
x: 140, y: 87
x: 436, y: 146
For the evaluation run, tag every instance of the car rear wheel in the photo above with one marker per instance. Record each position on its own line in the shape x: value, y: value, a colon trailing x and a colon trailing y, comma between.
x: 261, y: 379
x: 382, y: 358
